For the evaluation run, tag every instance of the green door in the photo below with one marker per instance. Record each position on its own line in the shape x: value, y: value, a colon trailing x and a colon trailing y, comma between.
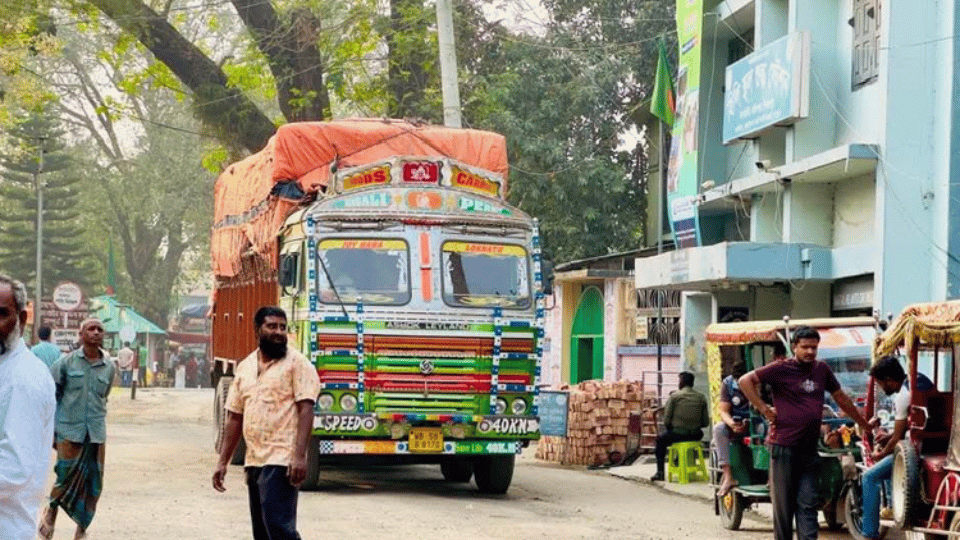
x: 586, y: 337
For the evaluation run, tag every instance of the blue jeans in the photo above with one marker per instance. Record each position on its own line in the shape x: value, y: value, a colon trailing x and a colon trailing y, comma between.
x: 125, y: 378
x: 872, y: 480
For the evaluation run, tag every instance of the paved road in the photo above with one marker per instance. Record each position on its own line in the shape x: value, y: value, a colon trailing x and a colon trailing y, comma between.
x: 159, y: 461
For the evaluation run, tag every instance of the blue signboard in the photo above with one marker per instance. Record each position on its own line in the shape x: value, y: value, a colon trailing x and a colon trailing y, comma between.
x: 553, y: 413
x: 769, y: 87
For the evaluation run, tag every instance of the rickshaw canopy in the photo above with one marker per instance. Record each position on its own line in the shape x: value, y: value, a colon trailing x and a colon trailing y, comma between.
x: 934, y: 323
x: 837, y: 333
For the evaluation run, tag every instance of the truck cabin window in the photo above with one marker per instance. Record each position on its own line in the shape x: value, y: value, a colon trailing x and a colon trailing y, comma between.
x: 367, y: 271
x: 485, y: 275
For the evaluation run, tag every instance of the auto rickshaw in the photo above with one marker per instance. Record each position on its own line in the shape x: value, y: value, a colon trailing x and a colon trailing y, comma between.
x: 845, y: 344
x: 926, y: 464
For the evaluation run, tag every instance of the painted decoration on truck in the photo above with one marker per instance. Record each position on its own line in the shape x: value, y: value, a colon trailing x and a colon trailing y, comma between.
x: 345, y: 422
x: 486, y: 249
x: 368, y: 178
x: 508, y: 425
x: 474, y: 182
x: 401, y: 447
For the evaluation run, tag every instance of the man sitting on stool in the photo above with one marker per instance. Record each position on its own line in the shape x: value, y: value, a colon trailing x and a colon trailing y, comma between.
x: 684, y: 419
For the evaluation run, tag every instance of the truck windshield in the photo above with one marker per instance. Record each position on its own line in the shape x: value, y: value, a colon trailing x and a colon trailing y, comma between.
x: 485, y: 275
x: 370, y: 271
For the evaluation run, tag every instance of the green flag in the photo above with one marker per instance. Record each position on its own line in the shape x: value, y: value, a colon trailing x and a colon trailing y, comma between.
x: 663, y: 103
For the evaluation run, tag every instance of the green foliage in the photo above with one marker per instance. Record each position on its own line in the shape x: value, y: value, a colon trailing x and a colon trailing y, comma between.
x: 65, y: 255
x: 566, y: 103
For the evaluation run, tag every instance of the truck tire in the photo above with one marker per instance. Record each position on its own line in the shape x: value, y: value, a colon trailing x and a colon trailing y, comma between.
x: 906, y: 485
x: 220, y: 420
x: 312, y: 481
x: 458, y: 470
x: 493, y: 474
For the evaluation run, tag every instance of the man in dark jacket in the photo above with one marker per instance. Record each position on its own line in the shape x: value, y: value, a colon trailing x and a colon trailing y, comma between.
x: 684, y: 418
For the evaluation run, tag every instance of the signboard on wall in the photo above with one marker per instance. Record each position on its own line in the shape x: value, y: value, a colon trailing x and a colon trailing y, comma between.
x: 770, y: 87
x: 553, y: 413
x: 683, y: 164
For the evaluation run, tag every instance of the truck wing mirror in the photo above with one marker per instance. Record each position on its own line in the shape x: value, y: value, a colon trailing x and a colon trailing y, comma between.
x: 289, y: 269
x: 546, y: 272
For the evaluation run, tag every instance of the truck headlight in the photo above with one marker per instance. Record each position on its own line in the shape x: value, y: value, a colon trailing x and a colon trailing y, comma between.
x: 325, y: 402
x: 501, y: 405
x: 348, y: 402
x: 518, y: 407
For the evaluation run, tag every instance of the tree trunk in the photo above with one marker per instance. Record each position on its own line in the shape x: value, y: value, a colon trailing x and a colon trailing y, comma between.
x: 293, y: 57
x: 237, y: 120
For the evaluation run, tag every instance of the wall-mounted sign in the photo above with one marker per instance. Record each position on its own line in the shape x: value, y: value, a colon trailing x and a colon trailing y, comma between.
x: 770, y: 87
x: 853, y: 293
x: 474, y: 182
x: 368, y: 178
x: 683, y: 172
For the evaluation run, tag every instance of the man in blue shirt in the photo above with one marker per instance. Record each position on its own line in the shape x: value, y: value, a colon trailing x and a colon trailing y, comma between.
x: 46, y: 351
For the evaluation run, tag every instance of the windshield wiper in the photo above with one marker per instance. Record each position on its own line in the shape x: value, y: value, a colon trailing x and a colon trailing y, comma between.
x: 333, y: 287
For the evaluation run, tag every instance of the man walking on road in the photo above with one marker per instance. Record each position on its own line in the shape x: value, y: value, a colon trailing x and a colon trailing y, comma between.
x: 125, y: 357
x: 798, y: 385
x: 684, y: 418
x: 83, y: 379
x: 27, y: 409
x: 46, y: 351
x: 271, y: 400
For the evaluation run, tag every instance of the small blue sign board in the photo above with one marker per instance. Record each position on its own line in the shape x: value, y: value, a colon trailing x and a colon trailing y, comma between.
x: 553, y: 413
x: 768, y: 87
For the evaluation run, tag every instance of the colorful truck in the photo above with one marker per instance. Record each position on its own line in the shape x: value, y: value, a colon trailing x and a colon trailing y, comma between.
x: 409, y: 282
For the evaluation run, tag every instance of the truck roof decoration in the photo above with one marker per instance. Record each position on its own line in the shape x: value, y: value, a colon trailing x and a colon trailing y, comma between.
x: 248, y: 211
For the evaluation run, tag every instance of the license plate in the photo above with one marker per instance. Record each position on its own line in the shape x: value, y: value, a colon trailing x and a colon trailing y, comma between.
x: 426, y: 440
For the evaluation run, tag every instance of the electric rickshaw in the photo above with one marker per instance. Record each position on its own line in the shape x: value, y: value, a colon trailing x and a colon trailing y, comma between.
x: 845, y: 345
x: 926, y: 466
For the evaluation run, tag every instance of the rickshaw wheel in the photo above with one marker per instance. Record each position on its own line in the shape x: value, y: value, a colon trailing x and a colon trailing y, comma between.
x: 832, y: 515
x: 731, y: 510
x: 906, y: 484
x: 852, y: 502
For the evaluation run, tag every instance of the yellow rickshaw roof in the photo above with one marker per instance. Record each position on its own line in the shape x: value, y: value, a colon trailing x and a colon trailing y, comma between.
x: 934, y: 323
x: 741, y: 333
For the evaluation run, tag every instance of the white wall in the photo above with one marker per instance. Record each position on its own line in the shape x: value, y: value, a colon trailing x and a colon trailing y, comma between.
x: 853, y: 211
x: 809, y: 214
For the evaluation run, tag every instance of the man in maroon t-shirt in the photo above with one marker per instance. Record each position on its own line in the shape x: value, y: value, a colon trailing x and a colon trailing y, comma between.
x: 798, y: 385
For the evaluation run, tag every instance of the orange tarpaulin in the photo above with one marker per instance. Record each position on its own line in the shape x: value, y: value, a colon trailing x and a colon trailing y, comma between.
x: 245, y: 214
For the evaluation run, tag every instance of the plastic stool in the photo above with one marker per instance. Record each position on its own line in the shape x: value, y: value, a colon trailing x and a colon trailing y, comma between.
x: 685, y: 462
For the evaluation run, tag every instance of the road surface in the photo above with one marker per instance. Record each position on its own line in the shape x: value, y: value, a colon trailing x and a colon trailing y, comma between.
x: 159, y: 461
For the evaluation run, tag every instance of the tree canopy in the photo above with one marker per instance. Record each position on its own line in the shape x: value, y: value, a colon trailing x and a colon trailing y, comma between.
x: 155, y: 93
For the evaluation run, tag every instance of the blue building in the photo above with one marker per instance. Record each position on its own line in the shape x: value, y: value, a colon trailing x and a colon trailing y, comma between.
x: 825, y: 166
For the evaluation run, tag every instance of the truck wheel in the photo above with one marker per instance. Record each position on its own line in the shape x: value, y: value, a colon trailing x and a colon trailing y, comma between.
x: 493, y: 474
x: 312, y: 480
x: 906, y: 485
x: 459, y: 470
x: 731, y: 510
x: 220, y: 420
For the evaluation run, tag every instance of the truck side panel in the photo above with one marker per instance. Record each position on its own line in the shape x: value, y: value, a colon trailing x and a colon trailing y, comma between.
x: 237, y: 301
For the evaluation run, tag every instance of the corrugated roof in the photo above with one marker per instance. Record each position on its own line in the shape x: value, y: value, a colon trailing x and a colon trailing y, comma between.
x: 116, y: 315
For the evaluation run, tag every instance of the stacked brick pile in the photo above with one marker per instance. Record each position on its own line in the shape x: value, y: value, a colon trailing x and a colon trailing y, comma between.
x: 598, y: 420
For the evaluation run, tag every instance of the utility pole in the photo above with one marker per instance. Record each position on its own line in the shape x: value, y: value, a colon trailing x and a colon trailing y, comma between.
x: 37, y: 309
x: 660, y: 195
x: 448, y: 64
